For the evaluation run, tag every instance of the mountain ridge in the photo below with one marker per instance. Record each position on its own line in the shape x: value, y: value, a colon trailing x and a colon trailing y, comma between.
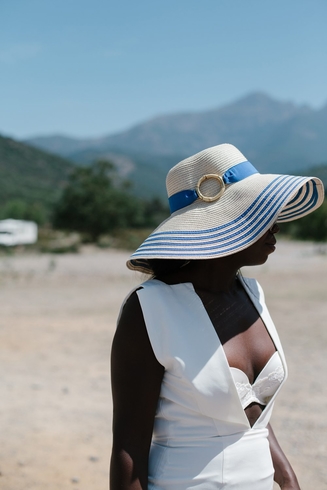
x: 36, y: 176
x: 275, y: 135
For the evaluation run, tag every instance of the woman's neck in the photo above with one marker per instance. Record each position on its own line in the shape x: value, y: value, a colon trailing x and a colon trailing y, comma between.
x: 215, y: 275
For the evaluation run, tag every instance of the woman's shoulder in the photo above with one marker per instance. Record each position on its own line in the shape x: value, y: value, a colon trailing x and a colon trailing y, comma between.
x: 130, y: 324
x: 131, y: 337
x: 131, y: 304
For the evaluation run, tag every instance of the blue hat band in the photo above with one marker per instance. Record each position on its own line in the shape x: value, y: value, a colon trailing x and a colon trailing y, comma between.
x: 231, y: 176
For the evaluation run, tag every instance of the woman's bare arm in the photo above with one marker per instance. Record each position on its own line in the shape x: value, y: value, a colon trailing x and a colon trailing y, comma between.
x: 136, y: 379
x: 284, y: 473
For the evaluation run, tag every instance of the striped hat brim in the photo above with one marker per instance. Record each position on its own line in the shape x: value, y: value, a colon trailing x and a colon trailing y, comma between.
x: 212, y: 230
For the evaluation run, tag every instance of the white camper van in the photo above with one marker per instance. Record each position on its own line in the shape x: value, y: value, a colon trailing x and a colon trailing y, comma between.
x: 17, y: 232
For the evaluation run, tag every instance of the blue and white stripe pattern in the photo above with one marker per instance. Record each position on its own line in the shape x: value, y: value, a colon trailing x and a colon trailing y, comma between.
x: 302, y: 203
x: 238, y: 234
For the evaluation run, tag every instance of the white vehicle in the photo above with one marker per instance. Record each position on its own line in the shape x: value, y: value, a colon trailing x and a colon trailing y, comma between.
x: 17, y: 232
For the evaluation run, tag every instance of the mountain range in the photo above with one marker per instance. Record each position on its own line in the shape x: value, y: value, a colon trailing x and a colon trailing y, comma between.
x: 274, y: 135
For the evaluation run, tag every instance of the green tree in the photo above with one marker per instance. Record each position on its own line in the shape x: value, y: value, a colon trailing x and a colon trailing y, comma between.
x: 96, y: 202
x: 155, y: 212
x: 20, y: 209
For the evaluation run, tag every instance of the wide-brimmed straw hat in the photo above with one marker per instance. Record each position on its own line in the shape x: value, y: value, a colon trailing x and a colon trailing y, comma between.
x: 220, y: 204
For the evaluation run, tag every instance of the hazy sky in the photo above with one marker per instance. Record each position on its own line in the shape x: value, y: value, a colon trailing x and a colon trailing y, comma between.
x: 94, y: 67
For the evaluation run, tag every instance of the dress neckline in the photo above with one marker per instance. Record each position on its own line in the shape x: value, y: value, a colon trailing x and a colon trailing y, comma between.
x: 262, y: 372
x: 190, y: 286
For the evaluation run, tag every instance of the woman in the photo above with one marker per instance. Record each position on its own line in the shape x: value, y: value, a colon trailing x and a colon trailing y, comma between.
x: 196, y: 359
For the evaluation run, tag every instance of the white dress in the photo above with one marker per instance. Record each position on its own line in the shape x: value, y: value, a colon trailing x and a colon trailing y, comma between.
x: 202, y: 438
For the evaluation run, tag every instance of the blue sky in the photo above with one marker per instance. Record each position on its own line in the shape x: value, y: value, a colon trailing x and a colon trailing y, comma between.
x: 95, y: 67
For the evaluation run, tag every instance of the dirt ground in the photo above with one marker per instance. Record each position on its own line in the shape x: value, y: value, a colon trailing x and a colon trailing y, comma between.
x: 57, y: 321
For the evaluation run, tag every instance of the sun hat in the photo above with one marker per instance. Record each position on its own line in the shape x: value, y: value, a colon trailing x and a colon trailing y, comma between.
x: 220, y: 204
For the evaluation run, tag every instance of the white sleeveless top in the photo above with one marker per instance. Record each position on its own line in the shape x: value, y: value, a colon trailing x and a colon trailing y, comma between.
x: 201, y: 434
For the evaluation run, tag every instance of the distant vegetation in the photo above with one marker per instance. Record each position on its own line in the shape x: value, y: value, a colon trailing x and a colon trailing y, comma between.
x: 31, y: 181
x: 93, y: 200
x: 95, y: 203
x: 319, y: 171
x: 311, y: 227
x: 20, y: 209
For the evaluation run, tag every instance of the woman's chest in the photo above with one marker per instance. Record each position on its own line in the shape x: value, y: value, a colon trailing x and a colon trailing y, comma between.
x: 241, y: 331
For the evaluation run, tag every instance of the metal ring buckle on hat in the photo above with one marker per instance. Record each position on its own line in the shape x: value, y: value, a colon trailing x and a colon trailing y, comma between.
x: 210, y: 198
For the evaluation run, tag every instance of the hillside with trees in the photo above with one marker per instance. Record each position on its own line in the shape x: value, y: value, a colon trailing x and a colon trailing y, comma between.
x: 101, y: 192
x: 31, y: 180
x: 93, y: 200
x: 96, y: 201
